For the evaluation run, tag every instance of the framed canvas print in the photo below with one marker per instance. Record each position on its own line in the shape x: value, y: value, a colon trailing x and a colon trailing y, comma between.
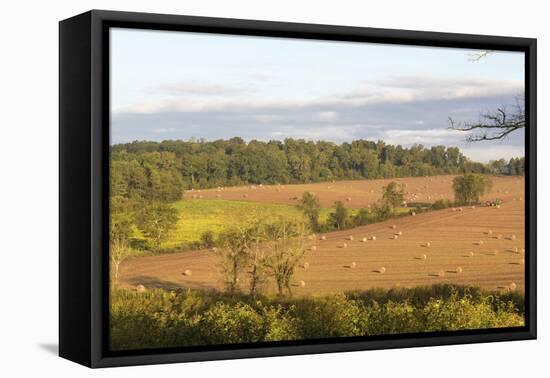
x: 234, y: 188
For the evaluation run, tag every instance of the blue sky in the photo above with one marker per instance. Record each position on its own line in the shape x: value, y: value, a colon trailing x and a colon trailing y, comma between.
x: 178, y: 85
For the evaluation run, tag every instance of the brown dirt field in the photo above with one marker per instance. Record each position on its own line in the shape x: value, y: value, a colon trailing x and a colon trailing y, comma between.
x: 452, y: 236
x: 356, y: 194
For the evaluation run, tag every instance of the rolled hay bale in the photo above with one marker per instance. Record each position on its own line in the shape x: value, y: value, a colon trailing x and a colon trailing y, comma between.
x: 490, y: 232
x: 521, y: 262
x: 480, y: 242
x: 313, y: 248
x: 522, y: 251
x: 441, y: 273
x: 199, y: 190
x: 453, y: 209
x: 516, y: 250
x: 323, y: 237
x: 460, y: 209
x: 499, y: 236
x: 512, y: 286
x: 348, y: 199
x: 140, y: 288
x: 393, y: 226
x: 187, y: 272
x: 400, y: 233
x: 350, y: 237
x: 458, y: 270
x: 364, y: 240
x: 498, y: 206
x: 245, y: 195
x: 382, y: 270
x: 424, y: 257
x: 353, y: 265
x: 306, y: 265
x: 473, y: 207
x: 302, y: 283
x: 214, y: 249
x: 513, y: 237
x: 373, y: 238
x: 470, y: 254
x: 345, y: 245
x: 428, y: 244
x: 413, y: 213
x: 395, y: 237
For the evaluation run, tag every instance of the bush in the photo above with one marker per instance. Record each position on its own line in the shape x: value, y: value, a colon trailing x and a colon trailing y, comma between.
x: 207, y: 239
x: 469, y: 187
x: 159, y: 319
x: 441, y: 204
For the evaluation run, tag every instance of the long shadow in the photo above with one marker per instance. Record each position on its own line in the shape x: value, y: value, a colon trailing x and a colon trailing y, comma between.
x: 51, y: 348
x: 157, y: 283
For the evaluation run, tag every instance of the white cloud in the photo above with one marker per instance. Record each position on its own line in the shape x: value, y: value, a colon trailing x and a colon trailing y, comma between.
x: 484, y: 152
x: 198, y: 97
x: 327, y: 116
x: 408, y: 137
x: 197, y: 89
x: 331, y: 133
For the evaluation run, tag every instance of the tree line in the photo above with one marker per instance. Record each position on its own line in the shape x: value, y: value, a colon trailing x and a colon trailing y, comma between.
x: 162, y: 170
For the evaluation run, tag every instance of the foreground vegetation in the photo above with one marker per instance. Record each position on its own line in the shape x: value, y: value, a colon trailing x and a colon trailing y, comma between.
x: 158, y: 318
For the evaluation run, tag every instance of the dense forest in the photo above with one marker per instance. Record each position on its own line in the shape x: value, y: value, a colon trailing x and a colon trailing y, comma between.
x: 162, y: 170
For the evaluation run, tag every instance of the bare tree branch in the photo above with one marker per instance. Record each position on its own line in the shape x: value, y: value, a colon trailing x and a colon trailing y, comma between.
x: 476, y: 57
x: 493, y: 125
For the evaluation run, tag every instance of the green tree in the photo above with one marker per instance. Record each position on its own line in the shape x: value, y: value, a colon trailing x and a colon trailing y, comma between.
x: 121, y: 228
x: 469, y: 187
x: 393, y: 195
x: 310, y: 206
x: 340, y: 216
x: 286, y: 247
x: 235, y: 245
x: 156, y: 220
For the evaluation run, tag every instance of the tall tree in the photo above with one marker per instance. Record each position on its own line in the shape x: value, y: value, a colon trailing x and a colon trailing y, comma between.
x: 310, y: 206
x: 156, y: 220
x: 470, y: 187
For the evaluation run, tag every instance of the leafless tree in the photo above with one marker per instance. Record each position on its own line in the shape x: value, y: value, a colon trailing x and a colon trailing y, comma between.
x: 495, y: 125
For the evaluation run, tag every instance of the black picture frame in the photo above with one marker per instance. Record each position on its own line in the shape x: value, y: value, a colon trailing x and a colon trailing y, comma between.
x: 83, y: 181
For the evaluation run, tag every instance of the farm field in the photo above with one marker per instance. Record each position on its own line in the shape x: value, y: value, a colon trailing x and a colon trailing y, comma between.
x: 477, y: 246
x: 356, y: 193
x: 197, y: 216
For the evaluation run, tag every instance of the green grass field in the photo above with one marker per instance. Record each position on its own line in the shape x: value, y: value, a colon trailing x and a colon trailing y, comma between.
x: 197, y: 216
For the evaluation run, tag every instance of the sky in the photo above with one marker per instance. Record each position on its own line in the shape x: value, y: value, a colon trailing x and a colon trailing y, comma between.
x: 181, y: 85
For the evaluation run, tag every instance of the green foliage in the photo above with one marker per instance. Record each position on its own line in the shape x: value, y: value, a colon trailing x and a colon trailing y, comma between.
x: 156, y: 220
x: 441, y: 204
x: 310, y: 206
x: 469, y: 187
x: 157, y: 318
x: 207, y: 239
x: 218, y: 216
x: 286, y: 246
x: 121, y: 227
x: 340, y: 218
x: 138, y: 168
x: 393, y: 195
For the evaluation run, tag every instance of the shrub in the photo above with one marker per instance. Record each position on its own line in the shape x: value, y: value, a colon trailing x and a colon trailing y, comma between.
x: 441, y: 204
x: 158, y: 318
x: 207, y: 239
x: 469, y: 187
